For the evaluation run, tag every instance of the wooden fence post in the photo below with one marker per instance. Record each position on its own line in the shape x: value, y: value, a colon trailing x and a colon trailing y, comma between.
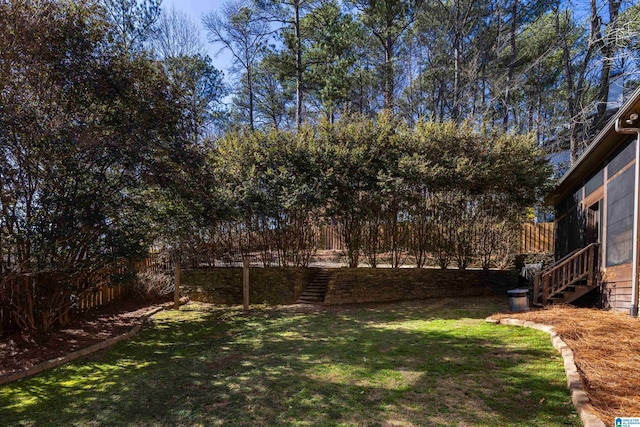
x: 176, y: 292
x: 245, y: 283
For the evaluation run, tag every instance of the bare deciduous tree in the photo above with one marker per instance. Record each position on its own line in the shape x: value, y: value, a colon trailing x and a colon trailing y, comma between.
x: 176, y: 35
x: 240, y: 29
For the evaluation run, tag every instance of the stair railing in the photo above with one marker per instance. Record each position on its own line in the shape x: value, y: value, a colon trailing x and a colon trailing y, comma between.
x: 582, y: 264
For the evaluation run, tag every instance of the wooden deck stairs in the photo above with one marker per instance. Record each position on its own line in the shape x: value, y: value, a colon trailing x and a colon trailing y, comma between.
x: 568, y: 278
x: 316, y: 290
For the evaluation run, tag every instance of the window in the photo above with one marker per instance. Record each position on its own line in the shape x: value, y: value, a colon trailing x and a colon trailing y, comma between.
x: 620, y: 218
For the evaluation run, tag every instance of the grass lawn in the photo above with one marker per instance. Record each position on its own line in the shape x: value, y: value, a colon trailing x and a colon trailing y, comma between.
x: 408, y: 364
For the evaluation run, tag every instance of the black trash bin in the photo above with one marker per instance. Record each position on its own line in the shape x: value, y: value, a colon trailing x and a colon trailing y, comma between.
x: 518, y: 299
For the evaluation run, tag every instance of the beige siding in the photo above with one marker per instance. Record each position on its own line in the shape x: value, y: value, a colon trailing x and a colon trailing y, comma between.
x: 617, y: 289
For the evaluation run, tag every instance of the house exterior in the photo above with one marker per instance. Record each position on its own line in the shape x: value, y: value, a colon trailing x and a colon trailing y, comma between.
x: 596, y: 205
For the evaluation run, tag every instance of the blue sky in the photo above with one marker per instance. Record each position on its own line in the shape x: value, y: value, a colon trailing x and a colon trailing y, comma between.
x: 195, y: 9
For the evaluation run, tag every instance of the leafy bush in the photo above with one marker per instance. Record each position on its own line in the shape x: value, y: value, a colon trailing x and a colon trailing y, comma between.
x: 86, y: 131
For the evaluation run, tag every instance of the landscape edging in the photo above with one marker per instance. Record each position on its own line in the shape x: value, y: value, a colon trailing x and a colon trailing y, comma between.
x: 19, y: 374
x: 579, y: 396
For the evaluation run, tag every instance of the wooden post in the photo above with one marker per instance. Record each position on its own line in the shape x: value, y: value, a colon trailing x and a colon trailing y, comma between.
x: 545, y: 289
x: 591, y: 265
x: 176, y: 292
x: 245, y: 283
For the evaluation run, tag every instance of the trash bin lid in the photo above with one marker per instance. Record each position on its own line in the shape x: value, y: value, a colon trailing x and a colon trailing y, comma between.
x: 518, y: 291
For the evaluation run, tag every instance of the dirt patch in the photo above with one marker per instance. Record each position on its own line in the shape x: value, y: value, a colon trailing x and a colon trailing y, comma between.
x: 606, y: 348
x: 20, y: 351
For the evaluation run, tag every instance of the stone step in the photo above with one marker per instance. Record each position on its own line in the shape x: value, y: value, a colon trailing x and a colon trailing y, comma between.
x: 313, y: 295
x: 308, y: 300
x: 316, y: 290
x: 315, y: 286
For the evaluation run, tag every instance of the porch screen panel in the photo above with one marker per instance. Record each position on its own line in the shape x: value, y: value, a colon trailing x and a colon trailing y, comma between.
x: 562, y: 238
x: 594, y: 183
x: 569, y: 230
x: 575, y: 225
x: 623, y: 157
x: 620, y: 218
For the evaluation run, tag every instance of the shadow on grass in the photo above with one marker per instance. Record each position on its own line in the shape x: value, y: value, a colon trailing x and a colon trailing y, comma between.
x: 412, y: 363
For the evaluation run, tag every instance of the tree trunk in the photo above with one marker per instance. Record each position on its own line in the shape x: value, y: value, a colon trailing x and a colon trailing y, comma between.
x: 456, y: 80
x: 608, y: 51
x: 512, y: 64
x: 298, y: 65
x: 388, y: 74
x: 568, y: 69
x: 250, y: 90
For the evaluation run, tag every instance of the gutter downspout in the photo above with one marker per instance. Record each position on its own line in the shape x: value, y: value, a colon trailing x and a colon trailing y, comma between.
x: 634, y: 268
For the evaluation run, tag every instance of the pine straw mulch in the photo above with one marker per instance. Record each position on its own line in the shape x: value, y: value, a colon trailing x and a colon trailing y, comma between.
x: 606, y: 349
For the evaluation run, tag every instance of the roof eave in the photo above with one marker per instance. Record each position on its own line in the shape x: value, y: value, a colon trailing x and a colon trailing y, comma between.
x: 603, y: 144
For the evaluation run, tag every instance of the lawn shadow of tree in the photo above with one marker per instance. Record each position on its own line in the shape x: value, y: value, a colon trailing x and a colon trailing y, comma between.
x: 408, y: 364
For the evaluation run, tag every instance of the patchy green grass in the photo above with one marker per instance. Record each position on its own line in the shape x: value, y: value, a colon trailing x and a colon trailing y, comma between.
x: 409, y: 364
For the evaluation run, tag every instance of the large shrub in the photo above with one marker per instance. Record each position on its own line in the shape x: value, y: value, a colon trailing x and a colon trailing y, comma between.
x: 86, y: 129
x: 435, y: 190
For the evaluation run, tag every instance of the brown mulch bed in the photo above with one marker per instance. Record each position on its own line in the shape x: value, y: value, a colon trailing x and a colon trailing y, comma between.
x: 20, y: 351
x: 606, y: 348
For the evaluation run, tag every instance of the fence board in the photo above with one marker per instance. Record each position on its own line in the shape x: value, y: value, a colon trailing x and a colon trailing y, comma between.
x: 330, y: 237
x: 533, y: 238
x: 82, y: 301
x: 537, y: 238
x: 103, y: 295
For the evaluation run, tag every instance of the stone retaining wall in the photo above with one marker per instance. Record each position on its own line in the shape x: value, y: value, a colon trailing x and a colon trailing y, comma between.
x: 276, y: 285
x: 363, y: 285
x: 223, y: 285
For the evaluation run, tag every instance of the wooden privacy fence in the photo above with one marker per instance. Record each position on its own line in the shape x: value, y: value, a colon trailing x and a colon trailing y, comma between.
x: 17, y: 289
x: 101, y: 296
x: 330, y: 237
x: 537, y: 238
x: 533, y: 238
x: 4, y: 317
x: 156, y: 261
